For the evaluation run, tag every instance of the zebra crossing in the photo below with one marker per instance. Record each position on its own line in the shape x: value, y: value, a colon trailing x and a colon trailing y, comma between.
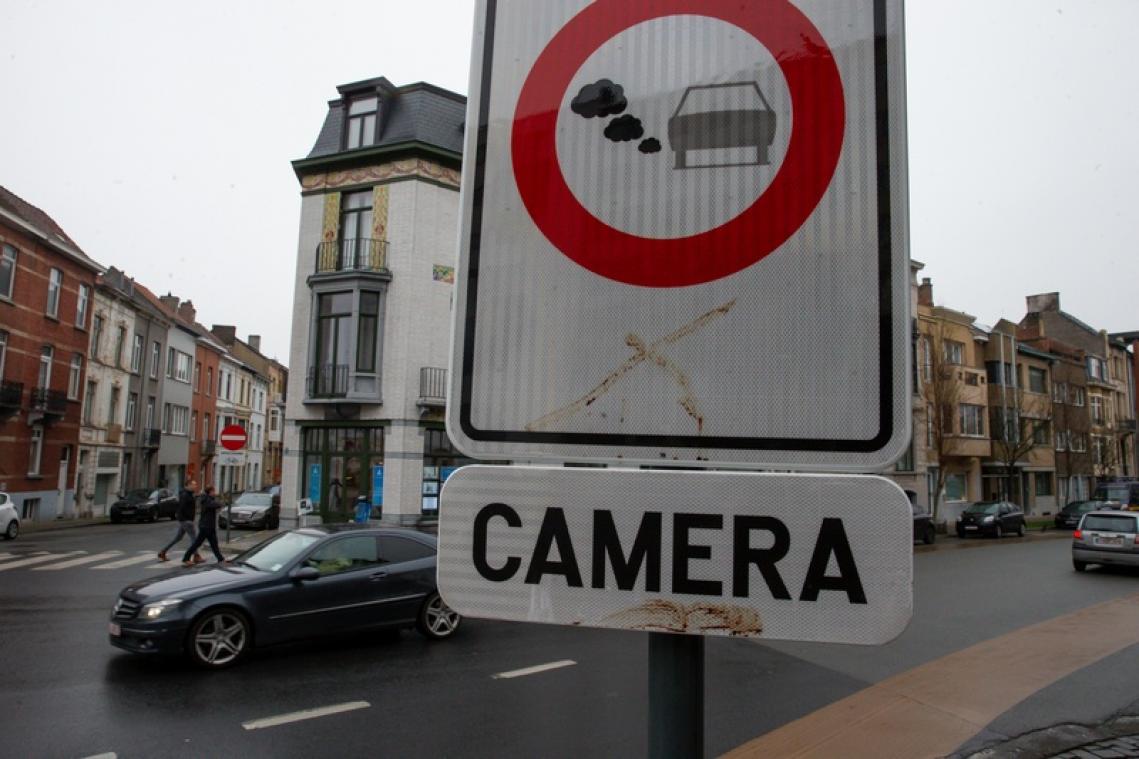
x: 47, y: 561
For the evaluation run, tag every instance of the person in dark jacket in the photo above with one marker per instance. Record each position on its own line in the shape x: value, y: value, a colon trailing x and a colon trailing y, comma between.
x: 185, y: 517
x: 207, y: 528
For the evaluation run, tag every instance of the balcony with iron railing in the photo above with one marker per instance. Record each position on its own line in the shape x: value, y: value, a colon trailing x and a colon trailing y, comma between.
x: 209, y: 447
x: 432, y: 386
x: 327, y: 381
x: 49, y: 402
x: 11, y: 395
x: 150, y: 438
x: 362, y: 254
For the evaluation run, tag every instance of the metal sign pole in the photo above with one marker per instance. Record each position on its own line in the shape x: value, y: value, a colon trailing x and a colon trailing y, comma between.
x: 676, y: 696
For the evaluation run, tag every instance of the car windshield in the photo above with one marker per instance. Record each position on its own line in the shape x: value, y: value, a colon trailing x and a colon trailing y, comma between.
x: 984, y: 507
x: 277, y: 551
x: 138, y: 495
x: 1080, y: 506
x: 254, y: 499
x: 1109, y: 523
x: 155, y: 494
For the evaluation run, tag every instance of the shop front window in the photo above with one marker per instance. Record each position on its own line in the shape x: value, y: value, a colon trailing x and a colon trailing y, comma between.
x: 340, y: 464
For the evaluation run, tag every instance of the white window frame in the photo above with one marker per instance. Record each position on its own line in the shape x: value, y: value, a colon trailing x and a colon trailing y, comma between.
x: 977, y: 414
x: 74, y: 373
x: 54, y: 289
x: 155, y: 358
x: 89, y: 397
x: 3, y: 351
x: 1059, y: 392
x: 1078, y: 442
x: 47, y: 358
x: 81, y: 302
x: 1061, y: 440
x: 35, y: 451
x: 136, y: 353
x: 132, y: 409
x: 8, y: 259
x: 1096, y: 409
x: 1079, y: 397
x: 953, y: 352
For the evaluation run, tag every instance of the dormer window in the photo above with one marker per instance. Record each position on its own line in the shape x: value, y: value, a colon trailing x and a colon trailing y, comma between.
x: 362, y: 114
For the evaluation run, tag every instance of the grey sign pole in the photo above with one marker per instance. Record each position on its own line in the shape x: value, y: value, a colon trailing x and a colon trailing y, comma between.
x: 676, y: 696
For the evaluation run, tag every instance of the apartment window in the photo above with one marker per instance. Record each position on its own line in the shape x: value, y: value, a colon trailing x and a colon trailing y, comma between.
x: 953, y: 352
x: 1043, y: 483
x: 367, y: 337
x: 955, y: 487
x: 3, y: 351
x: 1059, y: 392
x: 206, y: 427
x: 136, y: 354
x: 926, y: 359
x: 1097, y: 409
x: 971, y: 420
x: 35, y: 451
x: 44, y: 378
x: 906, y: 463
x: 274, y: 420
x: 81, y: 306
x: 7, y: 272
x: 209, y: 380
x: 1077, y: 396
x: 120, y: 344
x: 54, y: 286
x: 149, y: 413
x: 1097, y: 368
x: 30, y: 511
x: 193, y: 425
x: 1041, y: 432
x: 362, y: 113
x: 132, y: 406
x: 355, y: 228
x: 73, y: 375
x: 197, y: 376
x: 1078, y: 442
x: 89, y: 402
x: 178, y: 365
x: 1061, y: 440
x: 96, y: 336
x: 176, y: 419
x: 155, y: 359
x: 113, y: 409
x: 1101, y: 450
x: 333, y: 346
x: 929, y: 419
x: 1037, y: 380
x: 170, y: 362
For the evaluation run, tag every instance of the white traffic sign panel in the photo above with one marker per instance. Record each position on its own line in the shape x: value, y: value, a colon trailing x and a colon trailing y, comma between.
x: 233, y: 437
x: 822, y: 558
x: 684, y: 234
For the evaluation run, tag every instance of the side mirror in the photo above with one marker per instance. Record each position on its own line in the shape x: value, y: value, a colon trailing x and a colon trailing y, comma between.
x: 301, y: 574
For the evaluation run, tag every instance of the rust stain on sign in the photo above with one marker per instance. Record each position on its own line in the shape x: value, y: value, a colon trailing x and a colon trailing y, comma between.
x: 700, y: 617
x: 643, y: 353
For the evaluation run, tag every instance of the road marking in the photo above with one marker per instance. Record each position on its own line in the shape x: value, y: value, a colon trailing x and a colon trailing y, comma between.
x: 534, y: 670
x: 932, y: 709
x: 37, y: 560
x: 143, y: 557
x: 108, y: 755
x: 6, y: 556
x: 81, y: 560
x: 323, y: 711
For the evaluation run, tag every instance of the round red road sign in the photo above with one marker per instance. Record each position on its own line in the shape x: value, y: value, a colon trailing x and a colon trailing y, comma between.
x: 812, y: 154
x: 233, y: 438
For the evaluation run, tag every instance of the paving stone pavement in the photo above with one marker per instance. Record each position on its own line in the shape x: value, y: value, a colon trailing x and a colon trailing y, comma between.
x: 1115, y: 739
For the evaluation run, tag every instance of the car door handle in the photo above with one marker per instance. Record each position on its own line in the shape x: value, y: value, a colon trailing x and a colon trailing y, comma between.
x: 377, y: 576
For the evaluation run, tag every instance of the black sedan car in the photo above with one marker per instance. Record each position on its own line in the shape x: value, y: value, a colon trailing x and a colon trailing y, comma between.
x: 996, y: 518
x: 298, y: 584
x: 1069, y: 516
x: 145, y: 505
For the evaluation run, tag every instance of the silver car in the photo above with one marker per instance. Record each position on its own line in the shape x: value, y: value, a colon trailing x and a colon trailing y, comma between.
x: 1106, y: 537
x: 9, y: 519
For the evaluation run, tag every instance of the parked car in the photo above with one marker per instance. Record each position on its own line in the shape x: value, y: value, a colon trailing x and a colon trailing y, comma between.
x: 9, y: 519
x: 1106, y: 537
x: 1125, y: 490
x: 1069, y: 516
x: 996, y: 518
x: 261, y: 511
x: 923, y: 521
x: 143, y: 505
x: 298, y: 584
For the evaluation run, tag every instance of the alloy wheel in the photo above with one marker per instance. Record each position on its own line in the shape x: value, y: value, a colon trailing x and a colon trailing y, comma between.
x: 220, y: 639
x: 439, y: 618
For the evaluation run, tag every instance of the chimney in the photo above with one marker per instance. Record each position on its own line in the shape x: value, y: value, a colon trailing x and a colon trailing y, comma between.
x: 925, y: 292
x: 255, y: 342
x: 170, y: 301
x: 227, y: 333
x: 1043, y: 302
x: 187, y: 311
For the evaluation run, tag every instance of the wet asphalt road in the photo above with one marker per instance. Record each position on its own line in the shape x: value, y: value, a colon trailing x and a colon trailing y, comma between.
x: 65, y: 692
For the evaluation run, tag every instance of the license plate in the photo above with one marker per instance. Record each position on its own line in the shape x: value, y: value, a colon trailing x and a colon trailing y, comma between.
x: 1109, y: 541
x: 970, y: 527
x: 114, y: 629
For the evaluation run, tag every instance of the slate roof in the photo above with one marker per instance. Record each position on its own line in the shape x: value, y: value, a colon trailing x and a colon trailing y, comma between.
x: 419, y: 112
x: 44, y: 224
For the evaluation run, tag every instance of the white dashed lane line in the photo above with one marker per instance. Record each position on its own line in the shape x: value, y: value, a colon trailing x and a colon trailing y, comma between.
x: 534, y: 670
x: 323, y: 711
x: 142, y: 558
x: 36, y: 560
x: 81, y: 560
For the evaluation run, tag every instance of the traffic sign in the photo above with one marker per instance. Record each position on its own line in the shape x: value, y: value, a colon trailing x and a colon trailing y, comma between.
x: 684, y: 235
x: 233, y: 437
x: 823, y: 558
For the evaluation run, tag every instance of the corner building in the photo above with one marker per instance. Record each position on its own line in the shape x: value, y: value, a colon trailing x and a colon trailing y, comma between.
x: 372, y: 304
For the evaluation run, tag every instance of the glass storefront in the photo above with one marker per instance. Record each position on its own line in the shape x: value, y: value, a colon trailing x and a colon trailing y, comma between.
x: 440, y: 459
x: 340, y: 464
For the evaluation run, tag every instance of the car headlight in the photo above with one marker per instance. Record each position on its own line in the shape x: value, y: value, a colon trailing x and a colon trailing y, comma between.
x: 987, y: 520
x: 158, y: 608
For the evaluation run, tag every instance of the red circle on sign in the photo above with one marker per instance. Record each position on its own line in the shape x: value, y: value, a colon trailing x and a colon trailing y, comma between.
x: 233, y: 438
x: 812, y: 153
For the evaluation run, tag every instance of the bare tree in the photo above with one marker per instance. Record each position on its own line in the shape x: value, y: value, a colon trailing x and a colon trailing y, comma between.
x: 1017, y: 425
x: 941, y: 388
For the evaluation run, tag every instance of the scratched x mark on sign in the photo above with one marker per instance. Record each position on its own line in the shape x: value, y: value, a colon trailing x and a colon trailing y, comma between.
x: 643, y: 353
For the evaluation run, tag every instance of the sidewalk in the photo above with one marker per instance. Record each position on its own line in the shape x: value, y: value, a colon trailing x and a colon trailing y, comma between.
x: 61, y: 524
x: 951, y: 542
x: 242, y: 540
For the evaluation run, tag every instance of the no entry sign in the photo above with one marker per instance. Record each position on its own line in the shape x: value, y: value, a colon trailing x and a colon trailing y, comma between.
x: 233, y: 437
x: 684, y: 235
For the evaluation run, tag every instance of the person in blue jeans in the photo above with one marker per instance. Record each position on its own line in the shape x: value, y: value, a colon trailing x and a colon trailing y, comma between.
x: 207, y: 528
x: 185, y: 517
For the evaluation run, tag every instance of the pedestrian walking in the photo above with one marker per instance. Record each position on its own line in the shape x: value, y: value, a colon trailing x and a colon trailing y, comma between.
x: 185, y: 517
x: 207, y: 528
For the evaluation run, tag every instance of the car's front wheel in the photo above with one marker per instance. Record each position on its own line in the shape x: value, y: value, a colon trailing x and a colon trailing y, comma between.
x: 12, y: 530
x: 437, y: 620
x: 1020, y: 529
x: 219, y: 639
x: 999, y: 532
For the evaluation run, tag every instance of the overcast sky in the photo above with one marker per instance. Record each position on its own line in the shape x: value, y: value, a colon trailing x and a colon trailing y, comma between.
x: 159, y: 135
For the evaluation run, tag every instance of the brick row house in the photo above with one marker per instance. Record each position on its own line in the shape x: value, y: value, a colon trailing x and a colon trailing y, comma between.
x: 106, y: 387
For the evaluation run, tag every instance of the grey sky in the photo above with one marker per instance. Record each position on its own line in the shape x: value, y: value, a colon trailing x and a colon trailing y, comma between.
x: 159, y: 135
